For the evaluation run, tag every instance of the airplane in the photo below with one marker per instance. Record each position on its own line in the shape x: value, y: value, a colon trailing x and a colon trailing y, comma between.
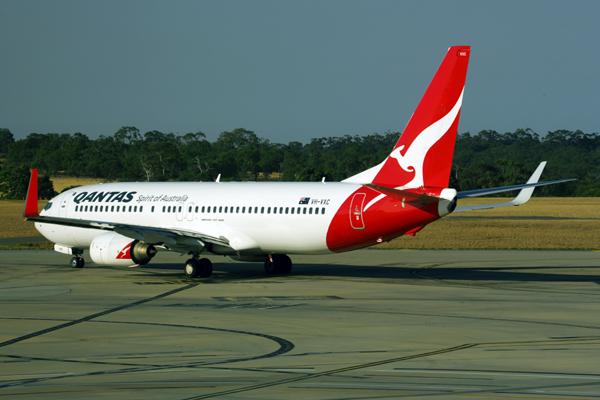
x: 125, y: 224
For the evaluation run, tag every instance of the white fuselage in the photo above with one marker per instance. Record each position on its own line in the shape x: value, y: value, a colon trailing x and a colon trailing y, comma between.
x: 255, y: 217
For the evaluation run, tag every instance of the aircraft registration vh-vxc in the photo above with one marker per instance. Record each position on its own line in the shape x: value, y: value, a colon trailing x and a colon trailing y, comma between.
x: 125, y: 224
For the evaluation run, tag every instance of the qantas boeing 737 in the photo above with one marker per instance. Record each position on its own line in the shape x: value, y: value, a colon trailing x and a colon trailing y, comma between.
x: 125, y: 224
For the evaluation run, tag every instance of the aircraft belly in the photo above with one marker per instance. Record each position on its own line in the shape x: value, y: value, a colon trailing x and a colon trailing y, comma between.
x: 68, y: 236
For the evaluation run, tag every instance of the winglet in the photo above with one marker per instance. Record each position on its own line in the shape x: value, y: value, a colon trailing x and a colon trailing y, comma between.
x: 31, y: 201
x: 525, y: 194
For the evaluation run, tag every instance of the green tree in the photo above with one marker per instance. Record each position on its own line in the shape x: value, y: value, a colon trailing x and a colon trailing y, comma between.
x: 14, y: 181
x: 6, y: 138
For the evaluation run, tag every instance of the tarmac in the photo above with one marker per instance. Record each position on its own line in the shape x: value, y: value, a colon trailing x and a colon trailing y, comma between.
x: 367, y: 324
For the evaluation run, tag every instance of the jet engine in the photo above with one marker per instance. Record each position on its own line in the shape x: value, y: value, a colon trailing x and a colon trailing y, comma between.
x: 120, y: 251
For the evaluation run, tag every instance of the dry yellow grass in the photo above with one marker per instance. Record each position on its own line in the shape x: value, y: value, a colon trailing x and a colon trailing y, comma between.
x: 515, y: 229
x: 62, y: 182
x: 13, y: 224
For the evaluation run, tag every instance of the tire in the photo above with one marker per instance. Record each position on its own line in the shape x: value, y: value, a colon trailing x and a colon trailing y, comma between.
x: 192, y: 267
x: 77, y: 262
x: 286, y: 265
x: 206, y: 268
x: 271, y: 266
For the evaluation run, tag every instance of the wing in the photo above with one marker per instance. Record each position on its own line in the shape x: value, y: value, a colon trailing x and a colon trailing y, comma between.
x: 523, y: 196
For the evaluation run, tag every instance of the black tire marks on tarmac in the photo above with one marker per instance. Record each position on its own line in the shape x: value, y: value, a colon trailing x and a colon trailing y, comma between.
x: 91, y: 317
x: 284, y: 345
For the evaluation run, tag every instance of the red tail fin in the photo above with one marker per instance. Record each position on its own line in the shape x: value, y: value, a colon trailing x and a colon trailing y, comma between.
x: 31, y: 201
x: 423, y: 154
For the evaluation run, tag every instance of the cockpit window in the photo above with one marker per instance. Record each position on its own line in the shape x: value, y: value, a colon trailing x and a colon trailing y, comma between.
x: 48, y: 206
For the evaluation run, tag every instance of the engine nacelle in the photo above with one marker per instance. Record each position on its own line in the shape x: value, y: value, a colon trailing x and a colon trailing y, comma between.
x: 120, y: 251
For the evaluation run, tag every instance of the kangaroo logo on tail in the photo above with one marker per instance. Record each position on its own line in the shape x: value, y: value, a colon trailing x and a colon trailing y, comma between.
x: 414, y: 157
x: 423, y: 154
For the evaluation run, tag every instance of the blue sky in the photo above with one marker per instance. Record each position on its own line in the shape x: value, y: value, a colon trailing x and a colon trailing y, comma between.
x: 292, y: 70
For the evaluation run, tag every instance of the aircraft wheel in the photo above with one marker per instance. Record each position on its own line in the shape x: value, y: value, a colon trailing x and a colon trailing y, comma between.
x: 192, y: 268
x: 77, y: 262
x: 271, y: 266
x: 206, y: 268
x: 285, y: 265
x: 281, y: 264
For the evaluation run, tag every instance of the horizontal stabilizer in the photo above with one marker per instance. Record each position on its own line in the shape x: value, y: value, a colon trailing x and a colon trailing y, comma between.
x: 404, y: 195
x: 523, y: 196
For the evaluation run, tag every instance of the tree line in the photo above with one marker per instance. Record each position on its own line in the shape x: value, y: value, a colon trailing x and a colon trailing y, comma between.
x: 485, y: 159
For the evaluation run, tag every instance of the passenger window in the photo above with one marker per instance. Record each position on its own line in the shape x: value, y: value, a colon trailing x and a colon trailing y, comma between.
x: 134, y: 208
x: 237, y: 210
x: 310, y: 210
x: 179, y: 208
x: 100, y: 208
x: 255, y: 210
x: 112, y: 208
x: 203, y: 209
x: 225, y: 210
x: 298, y: 210
x: 208, y: 210
x: 293, y: 210
x: 214, y: 209
x: 118, y: 208
x: 141, y: 208
x: 280, y: 210
x: 303, y: 210
x: 274, y: 210
x: 76, y: 208
x: 163, y: 208
x: 287, y: 209
x: 196, y: 209
x: 129, y: 208
x: 249, y: 210
x: 269, y: 210
x: 175, y: 209
x: 86, y: 208
x: 262, y: 210
x: 323, y: 210
x: 169, y: 209
x: 190, y: 209
x: 221, y: 209
x: 152, y: 209
x: 96, y: 209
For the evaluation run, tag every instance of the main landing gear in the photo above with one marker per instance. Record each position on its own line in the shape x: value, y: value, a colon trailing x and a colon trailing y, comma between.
x: 198, y: 268
x: 77, y: 261
x: 278, y: 264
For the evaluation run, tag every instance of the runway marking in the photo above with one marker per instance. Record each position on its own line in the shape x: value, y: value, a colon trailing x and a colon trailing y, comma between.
x: 90, y: 317
x: 335, y: 371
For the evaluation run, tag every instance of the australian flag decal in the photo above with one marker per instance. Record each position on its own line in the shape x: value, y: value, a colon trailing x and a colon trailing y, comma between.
x: 304, y: 200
